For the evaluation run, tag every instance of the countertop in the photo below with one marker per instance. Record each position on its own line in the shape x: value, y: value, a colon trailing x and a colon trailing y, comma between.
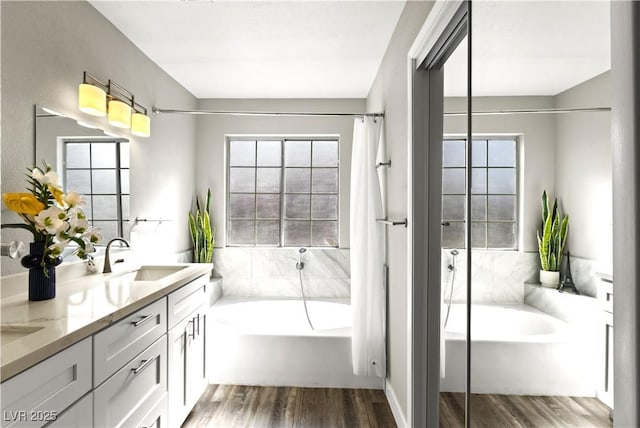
x: 82, y: 306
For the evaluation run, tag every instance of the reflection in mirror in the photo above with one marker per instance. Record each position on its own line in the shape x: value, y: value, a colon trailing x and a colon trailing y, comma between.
x: 88, y: 162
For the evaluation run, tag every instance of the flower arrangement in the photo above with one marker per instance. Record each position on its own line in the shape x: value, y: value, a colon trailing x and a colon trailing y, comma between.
x: 56, y: 219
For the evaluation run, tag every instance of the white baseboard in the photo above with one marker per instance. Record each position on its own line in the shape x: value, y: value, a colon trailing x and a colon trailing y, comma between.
x: 398, y: 414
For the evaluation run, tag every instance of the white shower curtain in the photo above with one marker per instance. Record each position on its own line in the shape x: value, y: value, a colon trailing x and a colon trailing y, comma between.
x: 367, y: 252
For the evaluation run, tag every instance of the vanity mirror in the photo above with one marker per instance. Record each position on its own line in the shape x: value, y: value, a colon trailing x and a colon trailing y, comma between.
x: 89, y: 162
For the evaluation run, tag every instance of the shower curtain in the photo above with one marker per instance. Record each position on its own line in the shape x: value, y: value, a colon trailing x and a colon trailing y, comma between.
x: 367, y: 252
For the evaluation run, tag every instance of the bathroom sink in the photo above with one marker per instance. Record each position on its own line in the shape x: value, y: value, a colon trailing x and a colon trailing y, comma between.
x: 10, y: 333
x: 155, y: 273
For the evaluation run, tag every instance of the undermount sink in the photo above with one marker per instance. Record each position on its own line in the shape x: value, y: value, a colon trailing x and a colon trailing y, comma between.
x: 155, y: 273
x: 10, y: 333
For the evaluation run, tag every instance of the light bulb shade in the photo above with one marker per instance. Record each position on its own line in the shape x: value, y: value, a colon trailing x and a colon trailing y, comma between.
x: 92, y: 100
x: 119, y: 114
x: 140, y: 125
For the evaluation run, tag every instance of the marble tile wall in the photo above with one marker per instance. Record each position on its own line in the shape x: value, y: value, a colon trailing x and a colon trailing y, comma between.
x: 499, y: 276
x: 271, y: 272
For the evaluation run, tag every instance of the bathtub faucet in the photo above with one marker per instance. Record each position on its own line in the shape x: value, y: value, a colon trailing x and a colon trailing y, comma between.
x: 300, y: 264
x: 452, y: 265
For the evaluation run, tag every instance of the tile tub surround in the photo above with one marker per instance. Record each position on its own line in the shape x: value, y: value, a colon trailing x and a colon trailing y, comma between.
x: 84, y: 304
x: 271, y: 272
x: 498, y: 276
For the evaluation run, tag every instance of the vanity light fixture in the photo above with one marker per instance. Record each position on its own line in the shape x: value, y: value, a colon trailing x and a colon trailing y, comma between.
x: 92, y: 96
x: 99, y: 99
x: 141, y: 124
x: 119, y: 114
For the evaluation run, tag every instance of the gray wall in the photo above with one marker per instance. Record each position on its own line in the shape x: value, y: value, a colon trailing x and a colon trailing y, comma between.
x: 389, y: 94
x: 213, y: 130
x: 45, y: 48
x: 583, y: 170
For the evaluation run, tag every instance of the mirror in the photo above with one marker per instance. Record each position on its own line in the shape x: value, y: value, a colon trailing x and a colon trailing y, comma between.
x: 89, y: 162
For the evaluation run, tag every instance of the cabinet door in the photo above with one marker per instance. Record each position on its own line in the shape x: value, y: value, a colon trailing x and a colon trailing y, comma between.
x: 196, y: 360
x: 178, y: 337
x: 187, y: 371
x: 80, y: 415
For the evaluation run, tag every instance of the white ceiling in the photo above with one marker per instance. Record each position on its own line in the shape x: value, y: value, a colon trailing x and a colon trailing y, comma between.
x: 532, y: 47
x: 260, y: 49
x: 333, y: 48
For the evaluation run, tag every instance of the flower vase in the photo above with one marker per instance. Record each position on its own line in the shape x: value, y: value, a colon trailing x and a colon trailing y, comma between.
x: 42, y: 279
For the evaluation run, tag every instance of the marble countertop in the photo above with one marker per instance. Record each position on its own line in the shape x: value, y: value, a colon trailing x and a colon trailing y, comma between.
x: 82, y: 306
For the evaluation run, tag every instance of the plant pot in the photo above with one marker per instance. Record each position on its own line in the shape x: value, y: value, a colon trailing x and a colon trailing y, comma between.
x: 549, y: 279
x: 42, y: 279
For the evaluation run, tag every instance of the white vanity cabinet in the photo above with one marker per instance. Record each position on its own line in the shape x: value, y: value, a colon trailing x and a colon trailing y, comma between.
x: 187, y: 348
x: 144, y: 370
x: 41, y: 393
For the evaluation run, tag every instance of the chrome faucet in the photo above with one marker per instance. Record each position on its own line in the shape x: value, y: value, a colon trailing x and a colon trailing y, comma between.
x: 107, y: 262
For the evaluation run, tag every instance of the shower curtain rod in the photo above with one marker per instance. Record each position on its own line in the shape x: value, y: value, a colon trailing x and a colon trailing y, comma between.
x: 530, y: 111
x: 157, y: 110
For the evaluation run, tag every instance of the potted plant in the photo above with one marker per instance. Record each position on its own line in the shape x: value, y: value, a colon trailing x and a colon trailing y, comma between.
x: 551, y: 242
x: 202, y: 233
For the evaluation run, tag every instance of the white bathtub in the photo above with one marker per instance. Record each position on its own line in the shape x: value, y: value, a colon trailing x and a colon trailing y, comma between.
x: 269, y: 342
x: 515, y: 349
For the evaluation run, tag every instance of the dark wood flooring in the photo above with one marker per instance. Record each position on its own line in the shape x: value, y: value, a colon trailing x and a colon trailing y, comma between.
x: 495, y: 411
x: 229, y: 406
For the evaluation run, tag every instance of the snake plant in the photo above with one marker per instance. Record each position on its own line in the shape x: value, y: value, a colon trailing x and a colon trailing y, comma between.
x: 552, y: 239
x: 202, y: 233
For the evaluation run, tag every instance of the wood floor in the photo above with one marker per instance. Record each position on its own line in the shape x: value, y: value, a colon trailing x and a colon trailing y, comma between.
x: 493, y: 411
x: 230, y: 406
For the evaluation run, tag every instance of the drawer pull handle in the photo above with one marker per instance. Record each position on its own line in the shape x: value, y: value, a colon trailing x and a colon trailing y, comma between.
x: 142, y: 366
x: 142, y: 321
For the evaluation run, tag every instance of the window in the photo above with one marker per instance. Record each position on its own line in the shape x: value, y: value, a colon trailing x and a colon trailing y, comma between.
x: 100, y: 171
x: 283, y: 192
x: 493, y: 193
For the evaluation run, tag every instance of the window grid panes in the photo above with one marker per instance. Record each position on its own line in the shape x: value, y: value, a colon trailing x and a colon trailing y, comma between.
x: 282, y: 192
x: 493, y: 193
x: 99, y: 170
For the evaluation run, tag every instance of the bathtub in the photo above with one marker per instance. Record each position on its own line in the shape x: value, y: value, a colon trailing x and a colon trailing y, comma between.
x: 269, y: 342
x: 515, y: 349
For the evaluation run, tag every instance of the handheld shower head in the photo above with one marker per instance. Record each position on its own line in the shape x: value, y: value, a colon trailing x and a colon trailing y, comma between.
x: 300, y: 264
x: 454, y: 252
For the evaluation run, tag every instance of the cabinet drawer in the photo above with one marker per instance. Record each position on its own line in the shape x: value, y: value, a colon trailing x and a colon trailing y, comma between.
x: 134, y: 390
x: 117, y: 344
x: 80, y: 415
x: 156, y: 417
x: 187, y: 299
x: 37, y: 395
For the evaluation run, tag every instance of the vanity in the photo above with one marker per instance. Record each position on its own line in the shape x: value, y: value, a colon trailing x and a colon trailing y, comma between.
x: 122, y: 349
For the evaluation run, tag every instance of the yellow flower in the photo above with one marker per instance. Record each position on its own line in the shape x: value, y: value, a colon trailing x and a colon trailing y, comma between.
x: 22, y: 203
x: 57, y: 193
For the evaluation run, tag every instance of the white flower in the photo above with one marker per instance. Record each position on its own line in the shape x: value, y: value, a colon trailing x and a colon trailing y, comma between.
x: 51, y: 177
x: 56, y: 249
x: 78, y: 221
x: 74, y: 199
x: 92, y: 236
x: 51, y: 220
